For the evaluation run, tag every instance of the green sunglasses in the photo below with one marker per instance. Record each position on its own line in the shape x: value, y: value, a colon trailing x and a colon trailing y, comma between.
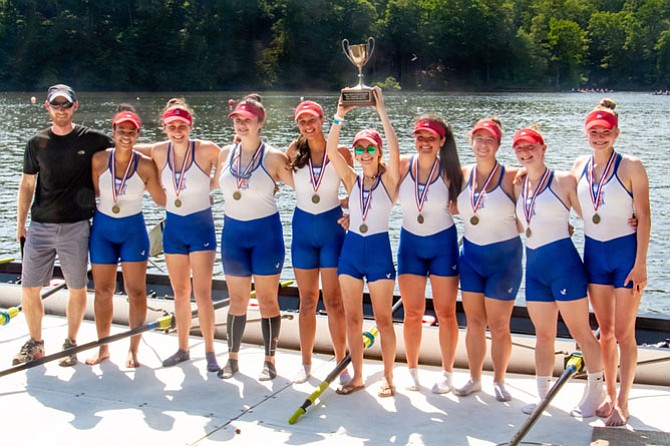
x: 359, y: 150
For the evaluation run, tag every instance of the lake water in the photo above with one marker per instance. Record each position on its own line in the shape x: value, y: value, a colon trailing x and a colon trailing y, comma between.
x: 643, y: 122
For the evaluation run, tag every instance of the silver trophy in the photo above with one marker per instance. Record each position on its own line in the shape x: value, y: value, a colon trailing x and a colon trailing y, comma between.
x: 359, y: 55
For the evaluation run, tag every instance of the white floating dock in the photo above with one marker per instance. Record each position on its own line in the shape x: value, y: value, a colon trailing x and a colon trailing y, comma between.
x: 185, y: 405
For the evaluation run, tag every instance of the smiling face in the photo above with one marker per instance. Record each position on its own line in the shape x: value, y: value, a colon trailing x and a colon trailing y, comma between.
x: 602, y: 138
x: 125, y: 135
x: 310, y: 126
x: 367, y: 153
x: 177, y: 130
x: 530, y: 154
x: 484, y: 144
x: 61, y: 110
x: 427, y: 143
x: 247, y: 127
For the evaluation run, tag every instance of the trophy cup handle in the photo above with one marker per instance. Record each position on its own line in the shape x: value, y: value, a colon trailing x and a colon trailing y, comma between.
x: 371, y: 46
x: 345, y: 50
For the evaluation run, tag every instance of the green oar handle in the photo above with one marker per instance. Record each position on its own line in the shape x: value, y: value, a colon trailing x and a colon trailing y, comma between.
x: 11, y: 313
x: 163, y: 323
x: 7, y: 315
x: 368, y: 341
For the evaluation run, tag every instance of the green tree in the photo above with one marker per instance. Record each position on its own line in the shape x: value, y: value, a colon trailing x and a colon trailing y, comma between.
x: 566, y: 43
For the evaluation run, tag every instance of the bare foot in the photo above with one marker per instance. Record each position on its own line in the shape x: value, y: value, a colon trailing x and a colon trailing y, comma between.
x: 102, y: 355
x: 619, y: 417
x: 131, y: 360
x: 606, y: 408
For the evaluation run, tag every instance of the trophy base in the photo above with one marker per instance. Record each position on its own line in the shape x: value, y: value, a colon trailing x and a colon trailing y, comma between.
x: 357, y: 96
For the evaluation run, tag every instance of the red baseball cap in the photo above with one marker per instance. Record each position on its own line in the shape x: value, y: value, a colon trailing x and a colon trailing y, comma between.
x: 430, y: 126
x: 601, y: 118
x: 309, y: 107
x: 127, y: 116
x: 528, y: 135
x: 177, y: 114
x: 248, y: 111
x: 490, y: 126
x: 370, y: 135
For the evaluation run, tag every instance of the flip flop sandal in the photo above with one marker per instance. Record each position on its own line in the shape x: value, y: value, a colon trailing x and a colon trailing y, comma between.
x: 348, y: 389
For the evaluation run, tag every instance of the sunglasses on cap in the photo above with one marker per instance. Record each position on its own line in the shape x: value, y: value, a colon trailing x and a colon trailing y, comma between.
x: 359, y: 150
x: 61, y: 105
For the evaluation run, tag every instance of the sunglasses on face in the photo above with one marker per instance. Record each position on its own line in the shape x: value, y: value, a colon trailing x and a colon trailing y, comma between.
x: 359, y: 150
x: 61, y: 105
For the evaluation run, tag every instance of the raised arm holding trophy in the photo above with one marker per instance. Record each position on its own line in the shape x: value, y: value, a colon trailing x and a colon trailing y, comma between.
x: 359, y: 55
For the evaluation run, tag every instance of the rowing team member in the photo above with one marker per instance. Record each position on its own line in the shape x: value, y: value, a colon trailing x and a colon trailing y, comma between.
x: 249, y: 171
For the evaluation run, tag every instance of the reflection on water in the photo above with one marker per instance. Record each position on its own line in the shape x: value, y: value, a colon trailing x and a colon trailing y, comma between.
x: 643, y: 121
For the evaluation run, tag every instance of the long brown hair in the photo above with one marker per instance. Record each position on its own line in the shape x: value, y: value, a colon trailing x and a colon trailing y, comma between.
x: 449, y: 161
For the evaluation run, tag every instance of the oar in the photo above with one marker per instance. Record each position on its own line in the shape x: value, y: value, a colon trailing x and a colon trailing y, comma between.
x: 6, y: 260
x: 163, y: 323
x: 11, y: 313
x: 575, y: 364
x: 368, y: 341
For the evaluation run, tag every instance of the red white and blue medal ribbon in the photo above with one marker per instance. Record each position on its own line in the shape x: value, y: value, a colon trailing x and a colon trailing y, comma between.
x: 420, y: 196
x: 179, y: 184
x: 116, y: 190
x: 476, y: 203
x: 242, y: 177
x: 364, y: 203
x: 597, y: 188
x: 529, y: 202
x: 316, y: 176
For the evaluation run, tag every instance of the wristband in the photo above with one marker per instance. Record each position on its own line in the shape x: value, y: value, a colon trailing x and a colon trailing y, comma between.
x: 337, y: 119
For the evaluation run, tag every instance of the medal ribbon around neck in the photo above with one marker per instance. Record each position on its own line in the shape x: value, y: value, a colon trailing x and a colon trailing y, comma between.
x: 178, y: 186
x: 249, y: 167
x: 365, y: 204
x: 596, y: 197
x: 316, y: 179
x: 473, y: 182
x: 116, y: 191
x: 529, y: 207
x: 420, y: 198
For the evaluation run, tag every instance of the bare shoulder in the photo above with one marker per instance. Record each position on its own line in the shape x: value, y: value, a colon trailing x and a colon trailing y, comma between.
x: 144, y: 161
x: 632, y: 167
x: 292, y: 150
x: 631, y: 160
x: 579, y: 164
x: 207, y: 145
x: 565, y: 179
x: 101, y: 155
x: 225, y: 151
x: 404, y: 164
x: 511, y: 171
x: 466, y: 169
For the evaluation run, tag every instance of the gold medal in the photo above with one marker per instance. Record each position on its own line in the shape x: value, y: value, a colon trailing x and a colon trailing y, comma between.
x: 237, y: 195
x: 177, y: 202
x: 528, y: 232
x: 474, y: 220
x: 420, y: 219
x: 596, y: 218
x: 363, y: 228
x: 116, y: 209
x: 316, y: 198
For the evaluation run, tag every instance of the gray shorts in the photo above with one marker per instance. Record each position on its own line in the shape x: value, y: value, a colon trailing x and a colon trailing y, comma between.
x: 45, y: 241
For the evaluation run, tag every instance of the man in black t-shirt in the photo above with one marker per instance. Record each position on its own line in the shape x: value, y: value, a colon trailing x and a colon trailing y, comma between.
x: 57, y: 181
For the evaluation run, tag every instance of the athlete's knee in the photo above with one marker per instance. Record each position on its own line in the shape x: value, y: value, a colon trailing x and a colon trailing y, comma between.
x: 476, y: 322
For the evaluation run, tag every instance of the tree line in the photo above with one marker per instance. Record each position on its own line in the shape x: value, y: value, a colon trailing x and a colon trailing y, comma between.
x: 434, y: 45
